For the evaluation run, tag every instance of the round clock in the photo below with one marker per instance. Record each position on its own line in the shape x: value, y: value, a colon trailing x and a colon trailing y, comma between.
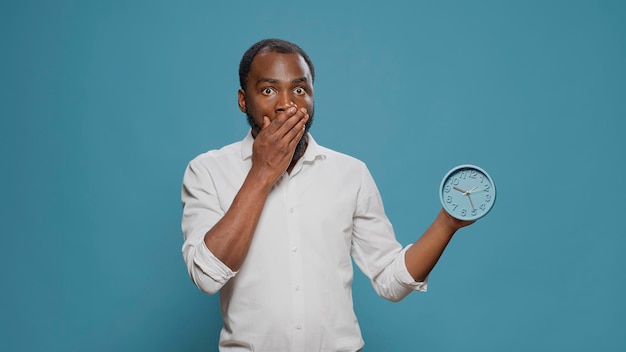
x: 467, y: 192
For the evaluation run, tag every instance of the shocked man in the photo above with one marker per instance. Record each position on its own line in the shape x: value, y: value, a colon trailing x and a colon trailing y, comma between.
x: 273, y: 222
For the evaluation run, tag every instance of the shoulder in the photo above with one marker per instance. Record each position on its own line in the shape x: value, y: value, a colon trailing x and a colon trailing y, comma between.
x: 228, y: 152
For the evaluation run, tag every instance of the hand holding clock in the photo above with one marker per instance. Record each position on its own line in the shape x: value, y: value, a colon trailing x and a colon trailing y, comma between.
x: 461, y: 181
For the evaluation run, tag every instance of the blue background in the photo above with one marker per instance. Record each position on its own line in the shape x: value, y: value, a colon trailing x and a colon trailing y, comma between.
x: 104, y: 102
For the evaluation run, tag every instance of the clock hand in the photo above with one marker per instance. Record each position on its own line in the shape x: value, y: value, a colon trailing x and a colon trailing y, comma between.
x: 460, y: 189
x: 471, y: 203
x: 467, y: 193
x: 464, y: 191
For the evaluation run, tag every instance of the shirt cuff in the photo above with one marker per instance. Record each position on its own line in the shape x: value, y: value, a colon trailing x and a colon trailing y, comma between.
x: 405, y: 278
x: 212, y: 266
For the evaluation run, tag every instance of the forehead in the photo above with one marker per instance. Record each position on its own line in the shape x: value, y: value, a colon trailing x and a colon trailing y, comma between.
x: 281, y: 66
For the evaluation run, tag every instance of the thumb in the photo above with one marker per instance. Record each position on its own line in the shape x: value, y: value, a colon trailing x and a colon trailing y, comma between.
x: 266, y: 121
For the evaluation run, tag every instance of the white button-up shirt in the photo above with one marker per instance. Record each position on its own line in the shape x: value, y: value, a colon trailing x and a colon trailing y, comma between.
x: 293, y: 291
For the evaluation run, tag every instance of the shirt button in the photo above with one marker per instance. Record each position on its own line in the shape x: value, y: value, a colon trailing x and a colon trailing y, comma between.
x: 294, y: 249
x: 291, y: 210
x: 297, y: 288
x: 298, y: 326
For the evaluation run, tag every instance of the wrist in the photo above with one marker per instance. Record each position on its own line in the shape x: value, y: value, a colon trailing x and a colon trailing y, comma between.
x: 262, y: 178
x: 451, y: 223
x: 447, y: 223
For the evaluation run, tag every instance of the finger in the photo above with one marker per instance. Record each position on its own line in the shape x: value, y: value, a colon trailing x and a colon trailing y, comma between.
x: 272, y: 126
x: 266, y: 121
x: 298, y: 131
x: 287, y: 125
x: 296, y: 122
x: 295, y: 126
x: 284, y: 116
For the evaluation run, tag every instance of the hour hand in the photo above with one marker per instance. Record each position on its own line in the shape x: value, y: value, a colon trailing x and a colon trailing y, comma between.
x: 460, y: 189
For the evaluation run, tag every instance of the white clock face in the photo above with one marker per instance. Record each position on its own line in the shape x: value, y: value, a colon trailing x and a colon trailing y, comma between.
x: 467, y: 192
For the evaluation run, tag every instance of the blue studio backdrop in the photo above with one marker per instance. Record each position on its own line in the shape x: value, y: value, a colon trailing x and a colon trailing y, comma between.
x: 103, y: 103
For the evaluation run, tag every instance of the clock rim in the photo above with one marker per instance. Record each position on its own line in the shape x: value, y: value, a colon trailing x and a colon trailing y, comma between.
x: 467, y: 166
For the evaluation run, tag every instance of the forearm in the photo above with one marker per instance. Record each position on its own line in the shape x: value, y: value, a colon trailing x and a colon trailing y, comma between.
x: 422, y: 256
x: 273, y: 150
x: 230, y: 238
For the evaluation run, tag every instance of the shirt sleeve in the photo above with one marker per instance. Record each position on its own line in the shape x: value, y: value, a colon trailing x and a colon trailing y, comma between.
x: 375, y: 248
x: 201, y: 210
x: 401, y: 273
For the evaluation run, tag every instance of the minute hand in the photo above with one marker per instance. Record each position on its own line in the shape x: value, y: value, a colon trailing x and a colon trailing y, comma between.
x: 470, y: 199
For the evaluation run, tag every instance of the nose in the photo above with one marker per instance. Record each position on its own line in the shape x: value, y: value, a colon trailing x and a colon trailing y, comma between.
x: 284, y: 102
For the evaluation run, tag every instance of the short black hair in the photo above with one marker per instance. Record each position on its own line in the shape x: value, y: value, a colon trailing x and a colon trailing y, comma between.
x: 275, y: 45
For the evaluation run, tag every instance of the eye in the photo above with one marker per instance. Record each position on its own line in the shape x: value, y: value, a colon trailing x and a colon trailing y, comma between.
x: 299, y: 91
x: 267, y: 91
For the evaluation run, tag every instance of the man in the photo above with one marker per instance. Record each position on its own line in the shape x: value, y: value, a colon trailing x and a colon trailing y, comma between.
x: 273, y: 222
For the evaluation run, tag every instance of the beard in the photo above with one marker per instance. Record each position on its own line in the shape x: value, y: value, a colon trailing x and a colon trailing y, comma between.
x: 302, y: 143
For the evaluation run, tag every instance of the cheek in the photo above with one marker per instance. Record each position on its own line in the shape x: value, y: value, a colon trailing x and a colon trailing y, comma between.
x: 256, y: 108
x: 306, y: 101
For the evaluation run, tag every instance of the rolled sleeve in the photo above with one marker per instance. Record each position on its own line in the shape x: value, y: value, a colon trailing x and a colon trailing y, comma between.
x: 401, y: 273
x: 201, y: 211
x: 375, y: 248
x: 206, y: 270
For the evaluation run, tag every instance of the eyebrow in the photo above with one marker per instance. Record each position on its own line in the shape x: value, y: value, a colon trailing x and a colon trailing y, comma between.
x: 300, y: 80
x: 274, y: 80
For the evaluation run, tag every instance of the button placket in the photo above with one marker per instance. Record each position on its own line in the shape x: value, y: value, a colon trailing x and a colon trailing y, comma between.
x: 296, y: 264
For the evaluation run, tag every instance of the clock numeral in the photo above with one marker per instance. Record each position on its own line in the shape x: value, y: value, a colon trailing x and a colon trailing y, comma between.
x: 482, y: 207
x: 455, y: 180
x: 453, y: 206
x: 474, y: 211
x: 488, y: 198
x: 447, y: 189
x: 471, y: 174
x: 463, y: 212
x: 486, y: 188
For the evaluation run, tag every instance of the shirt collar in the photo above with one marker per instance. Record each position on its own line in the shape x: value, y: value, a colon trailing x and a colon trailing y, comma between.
x: 313, y: 150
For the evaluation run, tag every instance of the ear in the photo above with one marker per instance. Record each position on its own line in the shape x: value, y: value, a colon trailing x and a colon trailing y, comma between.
x: 241, y: 100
